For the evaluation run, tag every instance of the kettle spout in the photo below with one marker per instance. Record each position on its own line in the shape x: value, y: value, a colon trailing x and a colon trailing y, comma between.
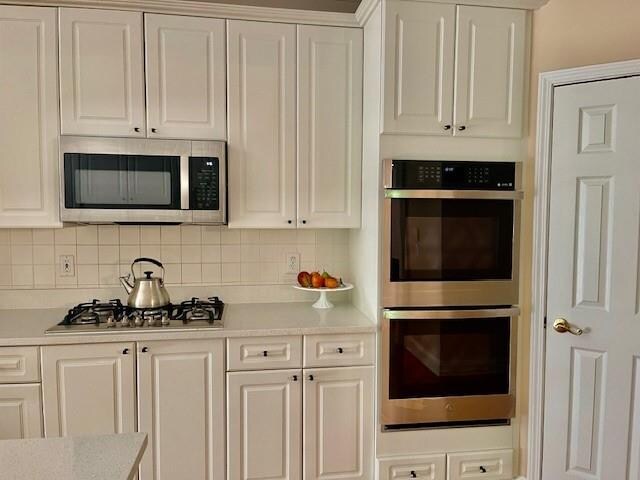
x: 126, y: 284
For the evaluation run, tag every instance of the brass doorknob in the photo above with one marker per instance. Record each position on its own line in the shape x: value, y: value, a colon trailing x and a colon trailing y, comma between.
x: 560, y: 325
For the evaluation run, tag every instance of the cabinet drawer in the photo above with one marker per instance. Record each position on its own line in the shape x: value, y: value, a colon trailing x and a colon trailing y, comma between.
x: 264, y: 353
x: 426, y: 467
x: 488, y: 465
x: 339, y: 350
x: 19, y: 365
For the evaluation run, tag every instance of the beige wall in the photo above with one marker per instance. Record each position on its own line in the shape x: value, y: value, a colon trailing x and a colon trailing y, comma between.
x: 569, y: 33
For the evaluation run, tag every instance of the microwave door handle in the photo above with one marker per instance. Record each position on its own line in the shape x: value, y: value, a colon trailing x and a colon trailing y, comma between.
x: 184, y: 182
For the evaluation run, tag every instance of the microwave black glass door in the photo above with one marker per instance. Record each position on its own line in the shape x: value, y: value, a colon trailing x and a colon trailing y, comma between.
x: 451, y: 357
x: 122, y: 181
x: 451, y: 239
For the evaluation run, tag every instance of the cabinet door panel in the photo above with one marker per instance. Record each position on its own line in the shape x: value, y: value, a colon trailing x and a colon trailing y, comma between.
x: 28, y: 117
x: 181, y: 407
x: 20, y: 412
x: 186, y: 77
x: 490, y: 72
x: 101, y: 72
x: 419, y: 66
x: 329, y: 126
x: 88, y: 389
x: 338, y: 423
x: 262, y: 124
x: 264, y: 427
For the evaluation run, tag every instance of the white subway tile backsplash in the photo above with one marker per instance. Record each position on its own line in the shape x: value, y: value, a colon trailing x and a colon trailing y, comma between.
x: 192, y: 254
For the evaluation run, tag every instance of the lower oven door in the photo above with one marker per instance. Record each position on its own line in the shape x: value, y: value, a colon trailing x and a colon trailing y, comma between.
x: 448, y: 366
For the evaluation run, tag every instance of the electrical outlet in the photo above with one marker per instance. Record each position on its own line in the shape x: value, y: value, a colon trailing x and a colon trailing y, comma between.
x: 293, y: 263
x: 67, y: 266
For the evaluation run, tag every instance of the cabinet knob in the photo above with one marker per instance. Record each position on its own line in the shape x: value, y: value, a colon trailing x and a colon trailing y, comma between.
x: 304, y: 222
x: 125, y: 351
x: 447, y: 127
x: 294, y: 378
x: 137, y: 129
x: 340, y: 350
x: 265, y: 353
x: 311, y: 378
x: 154, y: 130
x: 483, y: 469
x: 412, y: 474
x: 462, y: 128
x: 145, y: 349
x: 289, y: 222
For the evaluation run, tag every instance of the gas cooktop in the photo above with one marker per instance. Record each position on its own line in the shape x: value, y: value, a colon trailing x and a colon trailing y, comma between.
x: 112, y: 316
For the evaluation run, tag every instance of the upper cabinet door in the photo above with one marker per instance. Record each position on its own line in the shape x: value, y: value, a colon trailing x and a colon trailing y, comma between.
x: 186, y: 77
x: 28, y: 117
x: 490, y: 72
x: 329, y: 126
x: 419, y: 66
x: 262, y: 124
x: 101, y: 73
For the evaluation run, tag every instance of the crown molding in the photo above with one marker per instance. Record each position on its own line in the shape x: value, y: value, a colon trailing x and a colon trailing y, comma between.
x: 365, y: 10
x: 207, y: 9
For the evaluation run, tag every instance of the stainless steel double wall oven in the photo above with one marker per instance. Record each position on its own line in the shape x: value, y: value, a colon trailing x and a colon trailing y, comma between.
x: 450, y: 283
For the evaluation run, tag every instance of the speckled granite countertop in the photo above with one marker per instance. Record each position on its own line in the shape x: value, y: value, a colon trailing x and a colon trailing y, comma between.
x: 27, y: 327
x: 101, y: 457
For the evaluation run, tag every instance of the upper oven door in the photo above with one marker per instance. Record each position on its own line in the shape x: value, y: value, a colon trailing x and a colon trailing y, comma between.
x: 450, y: 247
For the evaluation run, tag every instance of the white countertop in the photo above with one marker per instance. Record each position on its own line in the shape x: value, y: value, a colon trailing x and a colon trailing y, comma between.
x: 102, y: 457
x: 27, y: 326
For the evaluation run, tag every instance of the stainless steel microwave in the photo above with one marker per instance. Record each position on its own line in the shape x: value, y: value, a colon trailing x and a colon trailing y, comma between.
x: 128, y: 180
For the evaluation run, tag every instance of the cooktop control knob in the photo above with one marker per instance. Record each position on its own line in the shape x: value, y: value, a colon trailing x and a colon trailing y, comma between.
x: 139, y: 321
x: 165, y: 319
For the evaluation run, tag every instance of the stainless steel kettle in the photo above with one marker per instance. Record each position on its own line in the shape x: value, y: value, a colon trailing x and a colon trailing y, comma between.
x: 148, y: 292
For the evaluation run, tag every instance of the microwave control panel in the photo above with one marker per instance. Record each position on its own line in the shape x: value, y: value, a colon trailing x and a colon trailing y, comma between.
x: 204, y: 182
x: 422, y: 174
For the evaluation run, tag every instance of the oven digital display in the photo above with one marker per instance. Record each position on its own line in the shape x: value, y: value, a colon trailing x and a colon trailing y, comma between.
x: 419, y: 174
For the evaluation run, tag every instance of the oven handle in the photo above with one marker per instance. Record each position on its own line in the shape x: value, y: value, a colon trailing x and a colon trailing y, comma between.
x: 450, y: 314
x: 455, y: 194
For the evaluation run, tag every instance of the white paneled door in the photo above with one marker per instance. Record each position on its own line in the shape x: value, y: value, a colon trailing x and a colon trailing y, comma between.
x: 592, y: 404
x: 101, y: 73
x: 419, y: 67
x: 186, y: 77
x: 491, y: 59
x: 262, y: 124
x: 28, y: 117
x: 329, y: 126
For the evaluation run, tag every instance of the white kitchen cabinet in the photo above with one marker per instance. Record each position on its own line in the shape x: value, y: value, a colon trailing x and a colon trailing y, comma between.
x: 88, y: 389
x: 329, y: 126
x: 338, y: 423
x: 181, y: 407
x: 490, y: 72
x: 264, y: 430
x: 454, y: 70
x: 485, y: 465
x: 262, y: 124
x: 20, y: 411
x: 427, y: 467
x: 101, y: 73
x: 186, y: 77
x: 29, y: 117
x: 419, y: 68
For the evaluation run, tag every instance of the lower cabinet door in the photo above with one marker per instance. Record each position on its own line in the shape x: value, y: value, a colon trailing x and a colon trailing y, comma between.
x: 88, y: 389
x: 338, y: 423
x: 264, y: 428
x: 181, y: 408
x: 20, y: 412
x: 425, y: 467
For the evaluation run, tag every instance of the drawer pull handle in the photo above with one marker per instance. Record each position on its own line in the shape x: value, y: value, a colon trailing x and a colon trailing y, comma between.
x: 125, y: 351
x: 265, y: 353
x: 482, y: 469
x: 311, y: 378
x: 145, y: 349
x: 340, y: 350
x: 412, y: 474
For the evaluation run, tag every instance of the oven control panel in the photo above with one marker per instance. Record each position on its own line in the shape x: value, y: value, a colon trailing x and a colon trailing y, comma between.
x: 422, y: 174
x: 204, y: 183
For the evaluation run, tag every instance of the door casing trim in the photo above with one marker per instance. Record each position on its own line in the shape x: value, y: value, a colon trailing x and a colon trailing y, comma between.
x: 544, y: 128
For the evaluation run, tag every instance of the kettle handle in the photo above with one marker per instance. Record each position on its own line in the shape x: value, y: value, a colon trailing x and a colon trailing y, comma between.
x: 150, y: 260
